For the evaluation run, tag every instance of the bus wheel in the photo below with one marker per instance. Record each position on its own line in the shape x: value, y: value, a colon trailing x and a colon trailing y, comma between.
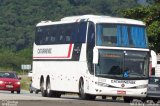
x: 114, y: 97
x: 48, y: 89
x: 83, y: 95
x: 104, y: 97
x: 56, y: 94
x: 43, y: 92
x: 127, y: 99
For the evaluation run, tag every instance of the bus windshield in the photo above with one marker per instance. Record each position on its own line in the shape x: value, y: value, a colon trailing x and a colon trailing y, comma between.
x: 121, y: 35
x: 122, y: 64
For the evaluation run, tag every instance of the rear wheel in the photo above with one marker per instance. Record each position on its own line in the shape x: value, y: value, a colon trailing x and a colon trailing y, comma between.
x: 51, y: 93
x: 104, y: 97
x: 48, y: 89
x: 82, y: 94
x: 44, y: 94
x: 18, y: 92
x: 12, y: 91
x: 155, y: 100
x: 114, y: 97
x: 144, y: 100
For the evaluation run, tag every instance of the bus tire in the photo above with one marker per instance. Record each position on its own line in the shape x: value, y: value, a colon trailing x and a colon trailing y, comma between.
x: 43, y: 92
x: 56, y: 94
x: 127, y: 99
x: 114, y: 97
x: 48, y: 88
x: 104, y: 97
x: 82, y: 94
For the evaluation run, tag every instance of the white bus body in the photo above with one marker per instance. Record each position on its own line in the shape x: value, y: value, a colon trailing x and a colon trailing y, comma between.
x: 68, y: 66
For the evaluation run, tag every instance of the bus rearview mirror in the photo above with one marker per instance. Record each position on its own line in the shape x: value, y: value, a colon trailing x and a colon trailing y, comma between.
x: 95, y: 56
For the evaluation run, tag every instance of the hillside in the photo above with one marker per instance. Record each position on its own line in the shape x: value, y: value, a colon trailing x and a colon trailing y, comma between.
x: 19, y: 17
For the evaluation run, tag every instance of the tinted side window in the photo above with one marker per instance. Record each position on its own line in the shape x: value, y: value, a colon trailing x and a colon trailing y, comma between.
x: 61, y: 34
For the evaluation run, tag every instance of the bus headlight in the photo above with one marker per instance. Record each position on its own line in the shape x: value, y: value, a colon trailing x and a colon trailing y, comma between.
x: 142, y: 86
x: 101, y: 84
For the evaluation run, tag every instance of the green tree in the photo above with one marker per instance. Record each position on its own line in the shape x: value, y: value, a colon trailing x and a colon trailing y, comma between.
x: 151, y: 16
x: 18, y: 19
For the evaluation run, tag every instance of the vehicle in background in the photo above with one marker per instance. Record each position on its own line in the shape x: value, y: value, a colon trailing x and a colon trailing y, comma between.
x: 157, y: 68
x: 9, y: 81
x: 30, y: 74
x: 155, y: 64
x: 153, y: 92
x: 32, y: 89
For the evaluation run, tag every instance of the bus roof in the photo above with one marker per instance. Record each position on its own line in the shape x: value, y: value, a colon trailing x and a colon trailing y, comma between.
x: 93, y: 18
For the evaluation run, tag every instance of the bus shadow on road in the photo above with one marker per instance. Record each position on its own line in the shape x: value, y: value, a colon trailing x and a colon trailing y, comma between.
x: 98, y: 99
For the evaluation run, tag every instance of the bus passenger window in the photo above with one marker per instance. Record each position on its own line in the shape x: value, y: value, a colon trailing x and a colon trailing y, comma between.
x: 68, y: 38
x: 53, y: 39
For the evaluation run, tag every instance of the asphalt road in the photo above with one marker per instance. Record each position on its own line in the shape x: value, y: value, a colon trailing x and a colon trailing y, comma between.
x: 27, y: 99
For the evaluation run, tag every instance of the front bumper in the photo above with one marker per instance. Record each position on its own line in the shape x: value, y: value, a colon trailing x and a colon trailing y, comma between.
x: 10, y: 87
x: 153, y: 95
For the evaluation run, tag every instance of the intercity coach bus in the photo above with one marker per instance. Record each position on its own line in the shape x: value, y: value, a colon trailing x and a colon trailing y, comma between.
x: 92, y: 56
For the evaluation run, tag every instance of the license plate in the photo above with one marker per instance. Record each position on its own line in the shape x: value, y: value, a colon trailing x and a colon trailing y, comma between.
x: 9, y: 86
x: 121, y: 92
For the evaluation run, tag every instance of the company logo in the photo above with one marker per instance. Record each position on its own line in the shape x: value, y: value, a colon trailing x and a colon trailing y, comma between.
x: 44, y: 51
x: 122, y: 85
x: 123, y: 81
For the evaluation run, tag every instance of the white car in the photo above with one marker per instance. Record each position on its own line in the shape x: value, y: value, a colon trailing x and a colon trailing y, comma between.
x: 30, y: 74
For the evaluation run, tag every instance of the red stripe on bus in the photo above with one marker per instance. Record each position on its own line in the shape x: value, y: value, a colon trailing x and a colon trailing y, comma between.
x: 68, y: 56
x: 69, y: 52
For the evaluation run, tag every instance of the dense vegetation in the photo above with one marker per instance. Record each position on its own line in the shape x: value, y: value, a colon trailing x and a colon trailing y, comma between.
x: 19, y: 17
x: 151, y: 16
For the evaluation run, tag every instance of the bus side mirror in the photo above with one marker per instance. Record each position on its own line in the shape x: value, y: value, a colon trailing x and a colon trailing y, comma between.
x: 95, y: 56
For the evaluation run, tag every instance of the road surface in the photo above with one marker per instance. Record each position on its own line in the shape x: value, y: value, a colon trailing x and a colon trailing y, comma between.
x: 27, y: 99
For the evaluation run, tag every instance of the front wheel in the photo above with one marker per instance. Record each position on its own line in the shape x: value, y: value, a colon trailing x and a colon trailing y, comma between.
x: 82, y: 94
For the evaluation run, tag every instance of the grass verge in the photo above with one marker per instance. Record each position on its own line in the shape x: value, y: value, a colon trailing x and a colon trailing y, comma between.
x: 25, y: 82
